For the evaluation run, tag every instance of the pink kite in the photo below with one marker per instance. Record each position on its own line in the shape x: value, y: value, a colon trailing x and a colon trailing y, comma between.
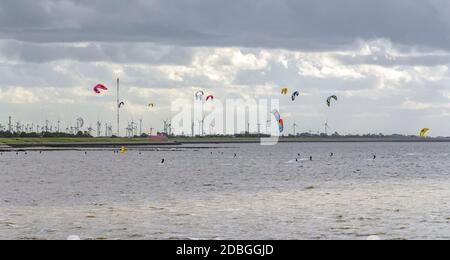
x: 99, y: 87
x: 210, y: 97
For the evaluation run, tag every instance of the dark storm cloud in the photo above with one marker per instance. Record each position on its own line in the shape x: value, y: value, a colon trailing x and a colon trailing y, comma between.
x: 292, y: 24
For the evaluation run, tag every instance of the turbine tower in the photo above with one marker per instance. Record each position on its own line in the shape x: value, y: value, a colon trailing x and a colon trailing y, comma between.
x: 99, y: 128
x: 118, y: 108
x: 295, y: 128
x: 211, y: 127
x: 10, y: 125
x: 18, y: 128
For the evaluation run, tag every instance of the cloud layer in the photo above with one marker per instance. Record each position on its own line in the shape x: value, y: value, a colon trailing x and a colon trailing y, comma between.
x: 387, y: 60
x: 290, y: 24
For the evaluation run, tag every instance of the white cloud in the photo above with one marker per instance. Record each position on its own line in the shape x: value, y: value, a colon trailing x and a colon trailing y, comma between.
x: 415, y: 105
x: 18, y: 95
x: 367, y: 91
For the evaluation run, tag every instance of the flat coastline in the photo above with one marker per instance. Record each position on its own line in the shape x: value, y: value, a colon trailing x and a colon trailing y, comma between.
x: 34, y: 143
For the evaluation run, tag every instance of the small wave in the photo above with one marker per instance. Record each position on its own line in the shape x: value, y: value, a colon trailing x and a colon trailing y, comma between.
x: 290, y: 162
x: 413, y: 154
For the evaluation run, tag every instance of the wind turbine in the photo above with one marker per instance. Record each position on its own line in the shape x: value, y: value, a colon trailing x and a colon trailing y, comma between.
x: 46, y: 125
x: 127, y: 129
x: 211, y: 127
x: 10, y: 127
x: 99, y: 128
x: 295, y: 128
x: 326, y: 127
x: 200, y: 127
x: 80, y: 124
x: 18, y: 127
x: 167, y: 127
x: 108, y: 129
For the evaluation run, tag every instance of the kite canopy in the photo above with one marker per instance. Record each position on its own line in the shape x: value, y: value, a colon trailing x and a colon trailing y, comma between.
x: 330, y: 98
x: 284, y: 91
x: 99, y: 87
x: 295, y: 95
x: 281, y: 125
x: 210, y: 97
x: 280, y: 121
x: 276, y: 114
x: 121, y: 104
x: 423, y: 132
x: 199, y: 95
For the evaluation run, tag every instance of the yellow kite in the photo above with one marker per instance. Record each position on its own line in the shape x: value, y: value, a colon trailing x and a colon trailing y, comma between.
x: 423, y: 132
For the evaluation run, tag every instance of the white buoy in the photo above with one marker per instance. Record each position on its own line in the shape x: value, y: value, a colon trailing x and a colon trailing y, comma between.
x: 73, y: 238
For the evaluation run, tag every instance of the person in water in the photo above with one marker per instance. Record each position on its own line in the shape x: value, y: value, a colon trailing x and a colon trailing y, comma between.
x: 310, y: 158
x: 163, y: 161
x: 332, y: 154
x: 374, y: 157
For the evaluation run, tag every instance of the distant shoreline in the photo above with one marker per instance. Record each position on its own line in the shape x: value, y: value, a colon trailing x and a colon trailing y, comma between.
x: 318, y: 140
x: 24, y: 143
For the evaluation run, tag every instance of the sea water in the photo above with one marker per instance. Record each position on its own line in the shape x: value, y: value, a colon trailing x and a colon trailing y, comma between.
x: 205, y: 192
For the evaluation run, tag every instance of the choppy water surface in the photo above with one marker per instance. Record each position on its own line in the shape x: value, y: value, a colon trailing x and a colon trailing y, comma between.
x: 262, y: 194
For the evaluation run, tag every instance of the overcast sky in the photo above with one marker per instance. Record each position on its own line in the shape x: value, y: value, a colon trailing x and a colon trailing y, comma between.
x: 388, y: 61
